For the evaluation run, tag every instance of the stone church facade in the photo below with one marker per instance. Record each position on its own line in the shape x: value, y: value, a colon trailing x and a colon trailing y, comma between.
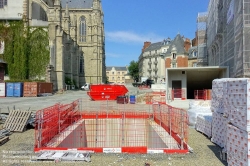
x: 76, y: 39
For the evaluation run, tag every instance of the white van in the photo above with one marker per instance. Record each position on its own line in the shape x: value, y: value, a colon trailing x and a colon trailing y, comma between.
x: 86, y: 86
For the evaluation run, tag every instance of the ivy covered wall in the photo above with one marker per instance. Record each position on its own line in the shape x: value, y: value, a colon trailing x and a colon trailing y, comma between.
x: 26, y: 51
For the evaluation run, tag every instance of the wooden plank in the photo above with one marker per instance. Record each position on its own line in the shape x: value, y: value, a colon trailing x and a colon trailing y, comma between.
x: 17, y: 120
x: 3, y: 140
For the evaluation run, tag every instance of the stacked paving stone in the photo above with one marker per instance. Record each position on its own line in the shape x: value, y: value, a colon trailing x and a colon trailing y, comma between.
x: 231, y: 118
x: 204, y: 124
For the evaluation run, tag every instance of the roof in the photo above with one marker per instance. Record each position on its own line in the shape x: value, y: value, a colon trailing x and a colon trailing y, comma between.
x: 190, y: 51
x: 77, y: 4
x: 117, y: 68
x: 158, y: 45
x: 178, y: 43
x: 154, y: 46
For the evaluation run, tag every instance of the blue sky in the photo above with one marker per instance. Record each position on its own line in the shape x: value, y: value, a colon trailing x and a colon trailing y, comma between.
x: 129, y: 23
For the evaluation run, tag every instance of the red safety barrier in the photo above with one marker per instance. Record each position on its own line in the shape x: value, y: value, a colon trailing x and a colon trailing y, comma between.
x: 112, y: 128
x: 174, y: 121
x: 53, y: 120
x: 154, y: 97
x: 178, y: 94
x: 202, y: 94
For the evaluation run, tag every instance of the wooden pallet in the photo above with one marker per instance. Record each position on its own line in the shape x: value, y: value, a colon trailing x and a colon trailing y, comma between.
x: 17, y: 120
x: 3, y: 140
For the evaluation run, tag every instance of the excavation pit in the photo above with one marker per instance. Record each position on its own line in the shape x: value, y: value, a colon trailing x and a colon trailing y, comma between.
x: 160, y: 129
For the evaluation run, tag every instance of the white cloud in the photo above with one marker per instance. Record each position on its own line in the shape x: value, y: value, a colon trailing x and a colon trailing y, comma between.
x: 131, y: 37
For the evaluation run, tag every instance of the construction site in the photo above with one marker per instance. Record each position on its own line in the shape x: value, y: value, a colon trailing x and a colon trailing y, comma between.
x: 199, y: 116
x: 87, y: 130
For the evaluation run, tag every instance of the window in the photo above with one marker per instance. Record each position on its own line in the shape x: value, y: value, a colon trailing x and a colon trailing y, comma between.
x: 82, y: 29
x: 113, y: 73
x: 122, y: 73
x: 194, y: 53
x: 113, y: 78
x: 107, y: 73
x: 123, y: 78
x: 194, y: 64
x: 118, y: 73
x: 174, y: 55
x: 81, y: 64
x: 1, y: 3
x: 173, y: 65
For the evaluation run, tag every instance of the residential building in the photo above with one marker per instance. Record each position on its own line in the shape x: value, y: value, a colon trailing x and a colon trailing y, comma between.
x: 177, y: 53
x: 116, y: 74
x: 76, y: 36
x: 156, y: 57
x: 152, y: 62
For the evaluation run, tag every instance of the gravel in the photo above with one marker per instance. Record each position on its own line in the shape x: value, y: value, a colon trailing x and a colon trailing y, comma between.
x: 18, y: 151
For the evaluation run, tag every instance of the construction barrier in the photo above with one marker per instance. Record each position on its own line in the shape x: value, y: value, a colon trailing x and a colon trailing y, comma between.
x: 178, y: 94
x: 108, y: 127
x: 202, y: 94
x: 53, y: 120
x: 154, y: 97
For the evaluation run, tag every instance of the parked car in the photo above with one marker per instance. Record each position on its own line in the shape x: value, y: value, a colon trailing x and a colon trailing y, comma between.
x: 85, y: 87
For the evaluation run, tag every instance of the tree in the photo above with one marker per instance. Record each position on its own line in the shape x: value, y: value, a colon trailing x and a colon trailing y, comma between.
x: 134, y: 70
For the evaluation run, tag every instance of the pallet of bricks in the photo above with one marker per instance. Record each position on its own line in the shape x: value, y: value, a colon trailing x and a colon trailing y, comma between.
x: 231, y: 118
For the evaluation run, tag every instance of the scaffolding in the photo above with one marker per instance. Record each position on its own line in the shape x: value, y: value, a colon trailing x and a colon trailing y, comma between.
x: 228, y: 36
x: 201, y: 39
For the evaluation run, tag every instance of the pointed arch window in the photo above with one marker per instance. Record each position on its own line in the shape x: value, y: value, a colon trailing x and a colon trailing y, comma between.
x: 82, y: 29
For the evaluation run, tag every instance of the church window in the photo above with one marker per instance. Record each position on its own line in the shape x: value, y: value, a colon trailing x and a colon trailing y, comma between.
x: 82, y: 29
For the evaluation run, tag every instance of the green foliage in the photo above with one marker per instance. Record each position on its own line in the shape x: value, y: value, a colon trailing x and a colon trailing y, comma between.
x: 134, y: 70
x: 39, y: 54
x: 26, y: 52
x: 68, y: 81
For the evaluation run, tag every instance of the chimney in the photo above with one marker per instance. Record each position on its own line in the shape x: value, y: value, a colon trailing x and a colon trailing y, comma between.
x: 146, y: 45
x: 187, y: 44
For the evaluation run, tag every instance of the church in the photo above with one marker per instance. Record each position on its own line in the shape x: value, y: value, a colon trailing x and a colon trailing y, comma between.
x: 76, y: 36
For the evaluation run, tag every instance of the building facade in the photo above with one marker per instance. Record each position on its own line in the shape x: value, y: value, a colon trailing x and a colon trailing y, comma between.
x: 116, y: 74
x: 76, y: 36
x: 151, y: 61
x: 156, y: 57
x: 228, y: 36
x: 177, y: 53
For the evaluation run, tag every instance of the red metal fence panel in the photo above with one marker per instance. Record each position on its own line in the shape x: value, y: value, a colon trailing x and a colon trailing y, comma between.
x: 111, y: 127
x: 178, y: 94
x: 204, y: 94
